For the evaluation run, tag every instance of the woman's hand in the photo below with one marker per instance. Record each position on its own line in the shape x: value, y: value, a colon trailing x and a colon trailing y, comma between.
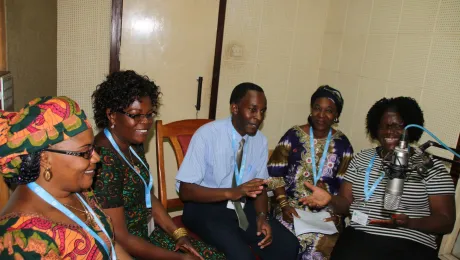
x: 318, y: 199
x: 289, y: 213
x: 184, y: 245
x: 396, y: 220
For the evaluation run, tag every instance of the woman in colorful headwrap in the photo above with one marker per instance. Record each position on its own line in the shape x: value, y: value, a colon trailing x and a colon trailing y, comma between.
x: 47, y: 150
x: 292, y: 164
x: 125, y: 105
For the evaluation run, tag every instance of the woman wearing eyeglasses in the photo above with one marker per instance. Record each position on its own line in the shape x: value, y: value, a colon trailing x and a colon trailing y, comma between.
x: 124, y: 108
x: 46, y: 150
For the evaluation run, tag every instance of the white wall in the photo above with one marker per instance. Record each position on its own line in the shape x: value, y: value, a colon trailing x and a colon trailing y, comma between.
x: 281, y: 44
x: 83, y: 46
x: 378, y: 48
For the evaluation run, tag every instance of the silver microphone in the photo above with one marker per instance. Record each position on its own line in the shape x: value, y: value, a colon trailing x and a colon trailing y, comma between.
x: 396, y: 173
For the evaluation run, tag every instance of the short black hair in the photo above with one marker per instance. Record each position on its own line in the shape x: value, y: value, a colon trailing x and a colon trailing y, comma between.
x: 240, y: 91
x: 119, y: 90
x: 407, y: 108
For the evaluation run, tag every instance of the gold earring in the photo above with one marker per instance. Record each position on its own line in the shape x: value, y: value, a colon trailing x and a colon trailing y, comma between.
x: 48, y: 174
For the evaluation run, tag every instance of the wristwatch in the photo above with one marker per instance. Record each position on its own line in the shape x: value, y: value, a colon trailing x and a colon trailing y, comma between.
x: 263, y: 215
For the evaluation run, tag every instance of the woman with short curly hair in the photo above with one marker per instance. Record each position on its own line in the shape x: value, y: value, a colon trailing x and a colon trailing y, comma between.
x: 427, y: 205
x: 125, y: 105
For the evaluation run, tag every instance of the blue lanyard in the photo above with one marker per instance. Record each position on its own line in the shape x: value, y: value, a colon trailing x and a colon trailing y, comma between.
x: 368, y: 192
x: 42, y: 193
x: 239, y: 172
x: 317, y: 175
x: 148, y: 188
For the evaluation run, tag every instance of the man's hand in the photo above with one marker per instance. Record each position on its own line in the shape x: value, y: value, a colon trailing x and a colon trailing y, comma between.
x: 396, y: 220
x: 251, y: 189
x: 318, y: 199
x: 289, y: 213
x: 263, y: 227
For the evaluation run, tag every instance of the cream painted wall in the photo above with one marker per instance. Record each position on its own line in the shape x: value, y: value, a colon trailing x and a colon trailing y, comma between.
x: 31, y: 48
x: 83, y: 45
x: 173, y: 43
x: 368, y: 49
x: 281, y: 44
x: 378, y: 48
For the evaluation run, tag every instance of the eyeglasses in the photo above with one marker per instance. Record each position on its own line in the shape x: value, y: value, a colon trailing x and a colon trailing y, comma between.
x: 138, y: 117
x: 87, y: 154
x: 393, y: 127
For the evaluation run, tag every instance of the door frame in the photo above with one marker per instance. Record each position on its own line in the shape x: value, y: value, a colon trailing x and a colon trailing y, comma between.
x: 115, y: 44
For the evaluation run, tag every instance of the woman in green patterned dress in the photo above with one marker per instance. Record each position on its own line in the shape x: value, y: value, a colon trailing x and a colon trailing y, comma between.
x: 125, y: 105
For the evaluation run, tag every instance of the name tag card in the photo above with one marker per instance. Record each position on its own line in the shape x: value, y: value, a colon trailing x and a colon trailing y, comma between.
x: 359, y: 217
x: 151, y: 225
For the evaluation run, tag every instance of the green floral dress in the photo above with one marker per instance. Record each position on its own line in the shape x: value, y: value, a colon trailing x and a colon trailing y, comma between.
x: 117, y: 185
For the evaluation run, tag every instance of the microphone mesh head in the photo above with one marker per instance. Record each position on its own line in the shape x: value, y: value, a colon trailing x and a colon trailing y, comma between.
x: 391, y: 201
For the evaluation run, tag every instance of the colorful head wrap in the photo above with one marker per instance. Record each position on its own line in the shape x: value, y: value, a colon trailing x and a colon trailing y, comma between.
x: 331, y: 93
x: 43, y: 122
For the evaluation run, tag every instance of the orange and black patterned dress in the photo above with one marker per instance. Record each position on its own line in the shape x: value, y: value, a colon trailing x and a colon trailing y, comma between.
x: 33, y: 236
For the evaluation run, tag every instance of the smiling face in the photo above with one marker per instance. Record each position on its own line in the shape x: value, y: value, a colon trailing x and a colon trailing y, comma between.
x: 391, y: 128
x: 72, y: 173
x: 323, y: 113
x: 130, y: 130
x: 249, y: 113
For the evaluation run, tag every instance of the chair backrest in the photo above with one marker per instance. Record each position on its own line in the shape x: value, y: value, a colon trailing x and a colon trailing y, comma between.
x: 179, y: 134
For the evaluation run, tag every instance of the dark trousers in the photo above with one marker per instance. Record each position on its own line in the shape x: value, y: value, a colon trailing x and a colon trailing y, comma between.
x: 217, y: 225
x: 355, y: 244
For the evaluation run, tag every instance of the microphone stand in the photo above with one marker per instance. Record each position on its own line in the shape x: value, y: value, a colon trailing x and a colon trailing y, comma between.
x: 429, y: 144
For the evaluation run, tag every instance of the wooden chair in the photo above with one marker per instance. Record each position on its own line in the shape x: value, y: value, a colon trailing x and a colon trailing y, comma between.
x: 179, y: 134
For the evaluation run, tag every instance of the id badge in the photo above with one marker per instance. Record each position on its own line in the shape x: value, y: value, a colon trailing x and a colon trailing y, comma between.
x: 150, y: 225
x: 231, y: 206
x: 360, y: 218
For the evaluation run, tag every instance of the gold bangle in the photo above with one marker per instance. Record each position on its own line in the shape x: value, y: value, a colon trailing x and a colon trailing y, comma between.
x: 179, y: 233
x: 283, y: 203
x: 280, y: 197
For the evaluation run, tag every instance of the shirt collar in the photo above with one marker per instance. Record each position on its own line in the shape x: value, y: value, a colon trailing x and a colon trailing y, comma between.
x: 231, y: 128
